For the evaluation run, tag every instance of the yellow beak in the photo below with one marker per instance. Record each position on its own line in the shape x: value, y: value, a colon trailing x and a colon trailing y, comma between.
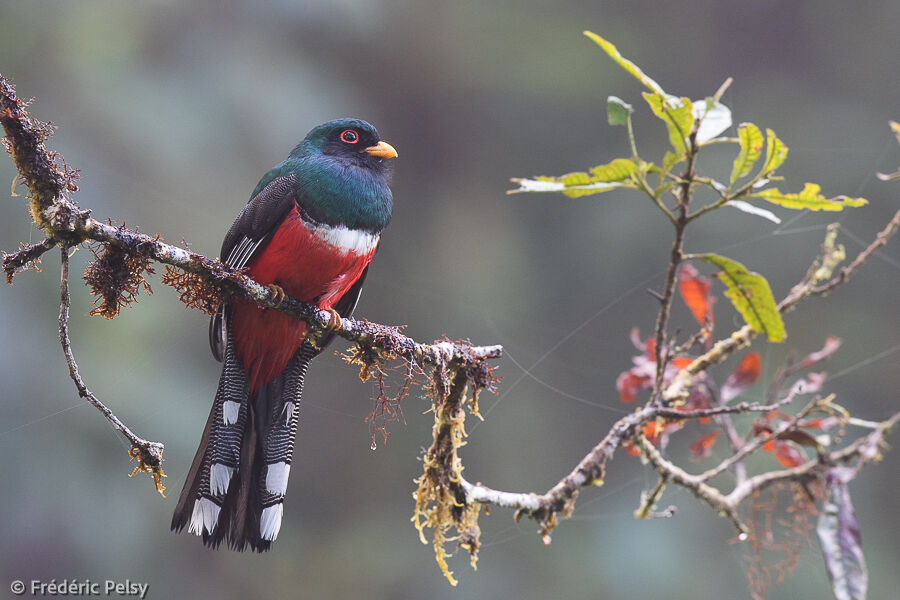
x: 381, y: 150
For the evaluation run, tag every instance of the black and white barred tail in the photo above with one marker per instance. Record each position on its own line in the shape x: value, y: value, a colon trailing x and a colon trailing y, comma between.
x: 235, y: 489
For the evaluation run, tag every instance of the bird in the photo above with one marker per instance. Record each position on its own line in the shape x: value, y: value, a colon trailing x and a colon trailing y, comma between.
x: 309, y: 230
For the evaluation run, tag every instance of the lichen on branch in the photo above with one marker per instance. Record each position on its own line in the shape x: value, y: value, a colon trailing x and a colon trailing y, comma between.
x: 680, y: 383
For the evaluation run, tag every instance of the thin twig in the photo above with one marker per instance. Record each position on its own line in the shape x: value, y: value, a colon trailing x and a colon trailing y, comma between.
x: 758, y: 442
x: 149, y: 454
x: 695, y: 484
x: 846, y: 272
x: 648, y: 499
x: 865, y: 448
x: 27, y: 255
x: 739, y: 408
x: 676, y: 256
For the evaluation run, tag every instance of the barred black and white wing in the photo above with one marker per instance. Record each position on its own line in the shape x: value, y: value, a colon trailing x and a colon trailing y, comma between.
x: 249, y: 234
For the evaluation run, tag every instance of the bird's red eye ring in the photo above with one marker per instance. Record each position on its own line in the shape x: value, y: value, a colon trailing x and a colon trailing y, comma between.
x: 349, y: 136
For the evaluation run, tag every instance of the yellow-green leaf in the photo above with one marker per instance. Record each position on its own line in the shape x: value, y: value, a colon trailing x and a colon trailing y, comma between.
x: 602, y: 178
x: 618, y: 111
x: 895, y: 126
x: 626, y: 64
x: 616, y: 170
x: 776, y: 153
x: 751, y: 141
x: 808, y: 198
x: 669, y: 161
x: 677, y: 114
x: 750, y: 294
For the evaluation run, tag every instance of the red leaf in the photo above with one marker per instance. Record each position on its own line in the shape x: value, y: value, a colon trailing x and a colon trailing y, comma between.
x: 628, y: 384
x: 628, y: 447
x: 832, y: 343
x: 769, y: 446
x: 652, y: 430
x: 682, y: 362
x: 694, y: 289
x: 703, y: 446
x: 743, y: 376
x: 787, y: 455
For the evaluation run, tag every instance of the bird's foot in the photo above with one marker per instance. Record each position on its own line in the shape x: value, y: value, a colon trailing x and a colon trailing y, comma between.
x: 279, y: 293
x: 148, y: 463
x: 334, y: 323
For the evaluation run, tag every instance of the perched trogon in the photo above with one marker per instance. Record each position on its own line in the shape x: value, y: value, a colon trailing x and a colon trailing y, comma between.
x: 309, y: 230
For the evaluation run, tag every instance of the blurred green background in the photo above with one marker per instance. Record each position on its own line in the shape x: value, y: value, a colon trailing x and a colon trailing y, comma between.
x: 173, y: 110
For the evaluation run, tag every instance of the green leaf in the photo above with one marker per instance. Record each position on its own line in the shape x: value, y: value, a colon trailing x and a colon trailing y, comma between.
x: 750, y: 294
x: 809, y: 198
x: 618, y: 111
x: 677, y: 114
x: 776, y: 153
x: 619, y: 169
x: 602, y: 178
x: 625, y: 63
x: 669, y: 161
x: 751, y: 140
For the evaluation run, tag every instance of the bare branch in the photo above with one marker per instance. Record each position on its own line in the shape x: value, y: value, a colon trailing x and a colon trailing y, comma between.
x: 28, y: 255
x: 676, y: 257
x: 846, y: 272
x: 561, y: 497
x: 694, y: 483
x: 740, y: 407
x: 149, y: 454
x: 648, y: 500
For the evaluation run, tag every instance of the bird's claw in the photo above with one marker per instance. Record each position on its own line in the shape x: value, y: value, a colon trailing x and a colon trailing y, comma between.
x: 279, y: 294
x: 334, y: 323
x: 147, y: 464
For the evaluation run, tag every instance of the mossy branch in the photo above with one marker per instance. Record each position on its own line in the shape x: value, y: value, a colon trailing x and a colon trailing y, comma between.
x: 444, y: 500
x: 116, y: 275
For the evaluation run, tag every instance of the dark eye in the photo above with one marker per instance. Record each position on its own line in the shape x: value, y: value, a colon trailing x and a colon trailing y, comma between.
x: 348, y: 136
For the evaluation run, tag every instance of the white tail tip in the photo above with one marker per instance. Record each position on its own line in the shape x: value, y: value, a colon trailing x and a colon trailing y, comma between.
x: 270, y: 521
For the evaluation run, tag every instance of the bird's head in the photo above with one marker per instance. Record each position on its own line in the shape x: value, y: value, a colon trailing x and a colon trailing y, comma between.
x: 350, y: 141
x: 343, y: 173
